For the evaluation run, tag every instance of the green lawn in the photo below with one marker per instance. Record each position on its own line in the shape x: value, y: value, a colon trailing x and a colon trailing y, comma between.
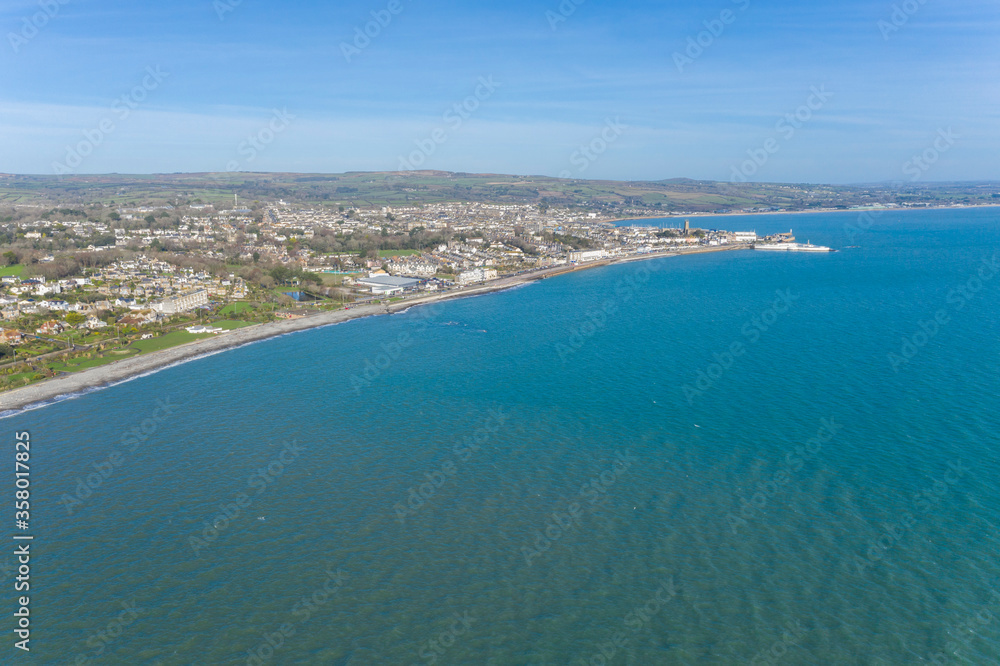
x: 11, y: 380
x: 229, y: 324
x: 236, y: 308
x: 167, y: 341
x: 182, y: 337
x: 397, y: 253
x: 76, y: 364
x: 14, y: 270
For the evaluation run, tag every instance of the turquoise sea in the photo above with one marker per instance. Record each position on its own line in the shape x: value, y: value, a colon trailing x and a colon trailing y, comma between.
x: 709, y: 459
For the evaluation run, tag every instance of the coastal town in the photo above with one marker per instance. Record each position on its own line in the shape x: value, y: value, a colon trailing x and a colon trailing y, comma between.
x: 85, y: 285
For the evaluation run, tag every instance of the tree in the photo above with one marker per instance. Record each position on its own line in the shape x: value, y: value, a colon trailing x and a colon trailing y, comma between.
x: 10, y: 257
x: 75, y: 318
x: 6, y: 351
x: 150, y: 219
x: 281, y: 274
x: 256, y: 257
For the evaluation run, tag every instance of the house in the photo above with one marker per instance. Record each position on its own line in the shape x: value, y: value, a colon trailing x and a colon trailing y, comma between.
x: 52, y: 327
x: 139, y: 318
x: 61, y: 306
x: 93, y: 323
x: 10, y: 336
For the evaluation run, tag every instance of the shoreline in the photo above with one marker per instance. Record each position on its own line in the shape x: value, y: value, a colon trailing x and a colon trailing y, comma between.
x: 858, y: 211
x: 71, y: 385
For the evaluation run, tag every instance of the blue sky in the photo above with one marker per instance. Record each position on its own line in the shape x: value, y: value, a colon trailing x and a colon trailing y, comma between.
x: 561, y: 73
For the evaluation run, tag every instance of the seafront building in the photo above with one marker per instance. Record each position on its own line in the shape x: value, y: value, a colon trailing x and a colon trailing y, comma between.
x: 476, y: 275
x: 587, y: 255
x: 386, y: 285
x: 182, y: 302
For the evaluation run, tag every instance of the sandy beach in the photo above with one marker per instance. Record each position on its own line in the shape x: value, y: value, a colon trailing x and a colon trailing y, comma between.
x: 53, y: 389
x: 856, y: 211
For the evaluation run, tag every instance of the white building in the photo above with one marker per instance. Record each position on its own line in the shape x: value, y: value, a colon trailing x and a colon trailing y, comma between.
x: 476, y: 275
x: 182, y: 302
x: 743, y: 236
x: 587, y: 255
x: 384, y: 285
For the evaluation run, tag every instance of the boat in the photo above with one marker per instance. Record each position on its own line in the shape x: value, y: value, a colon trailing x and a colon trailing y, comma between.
x: 792, y: 247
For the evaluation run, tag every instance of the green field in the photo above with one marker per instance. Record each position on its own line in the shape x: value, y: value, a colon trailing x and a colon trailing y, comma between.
x: 17, y: 380
x: 230, y: 325
x: 237, y: 308
x: 398, y: 253
x: 167, y: 341
x: 144, y: 347
x: 14, y: 270
x: 77, y: 364
x: 183, y: 337
x: 330, y: 192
